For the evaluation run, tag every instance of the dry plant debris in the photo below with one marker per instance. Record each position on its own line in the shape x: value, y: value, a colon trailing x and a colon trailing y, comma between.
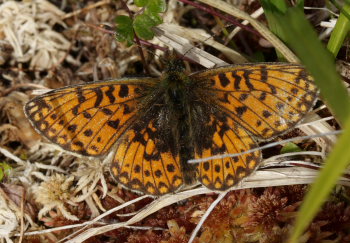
x: 57, y: 194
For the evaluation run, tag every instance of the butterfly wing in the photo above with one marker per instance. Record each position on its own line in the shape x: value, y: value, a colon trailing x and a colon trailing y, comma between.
x: 146, y: 162
x: 87, y: 119
x: 91, y: 118
x: 265, y: 99
x: 254, y: 101
x: 225, y: 137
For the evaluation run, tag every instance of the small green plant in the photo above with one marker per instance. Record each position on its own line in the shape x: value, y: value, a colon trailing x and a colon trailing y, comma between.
x: 142, y: 23
x: 5, y: 170
x: 290, y: 148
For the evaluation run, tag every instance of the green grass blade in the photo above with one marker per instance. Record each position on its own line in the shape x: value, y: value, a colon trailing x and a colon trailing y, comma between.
x: 336, y: 163
x: 301, y: 37
x: 340, y: 31
x: 270, y: 6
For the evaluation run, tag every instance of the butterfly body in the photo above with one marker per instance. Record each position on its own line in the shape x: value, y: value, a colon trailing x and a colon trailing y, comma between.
x: 155, y: 125
x: 171, y: 110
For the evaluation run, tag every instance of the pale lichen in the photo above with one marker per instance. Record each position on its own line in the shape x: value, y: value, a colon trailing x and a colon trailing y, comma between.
x: 54, y: 194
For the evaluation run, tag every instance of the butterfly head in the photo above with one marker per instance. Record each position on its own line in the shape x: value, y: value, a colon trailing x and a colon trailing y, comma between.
x: 174, y: 65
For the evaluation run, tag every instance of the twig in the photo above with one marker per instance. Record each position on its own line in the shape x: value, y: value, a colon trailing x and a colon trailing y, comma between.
x: 95, y: 5
x: 137, y: 40
x: 22, y: 217
x: 221, y: 16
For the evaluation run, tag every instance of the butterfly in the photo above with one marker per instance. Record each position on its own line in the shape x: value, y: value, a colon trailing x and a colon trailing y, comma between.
x: 155, y: 125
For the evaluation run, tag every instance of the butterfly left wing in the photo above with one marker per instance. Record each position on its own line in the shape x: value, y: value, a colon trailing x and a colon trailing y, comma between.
x: 89, y: 118
x: 146, y: 162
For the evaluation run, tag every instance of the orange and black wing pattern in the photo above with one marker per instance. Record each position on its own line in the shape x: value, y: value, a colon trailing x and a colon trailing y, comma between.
x: 251, y: 102
x: 154, y: 126
x: 87, y: 119
x: 266, y: 99
x: 145, y: 161
x: 225, y: 137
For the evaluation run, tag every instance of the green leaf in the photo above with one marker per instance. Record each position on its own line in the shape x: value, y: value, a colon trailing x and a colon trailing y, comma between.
x: 142, y: 25
x: 258, y: 56
x: 125, y: 31
x: 141, y: 3
x: 156, y: 6
x: 5, y: 170
x: 155, y: 17
x: 271, y: 7
x: 300, y: 4
x: 290, y: 148
x: 1, y: 174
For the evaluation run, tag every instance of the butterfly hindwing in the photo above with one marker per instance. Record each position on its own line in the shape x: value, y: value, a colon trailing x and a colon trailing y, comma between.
x: 225, y: 136
x: 87, y: 119
x: 144, y: 162
x: 266, y: 99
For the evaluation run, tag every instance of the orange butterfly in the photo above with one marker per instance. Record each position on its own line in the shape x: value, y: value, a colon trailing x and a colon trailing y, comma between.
x: 155, y: 125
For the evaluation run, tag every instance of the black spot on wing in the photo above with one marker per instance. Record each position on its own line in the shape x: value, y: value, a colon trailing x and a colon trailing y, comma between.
x: 263, y: 71
x: 107, y: 111
x: 114, y: 124
x: 237, y: 80
x: 266, y: 114
x: 81, y: 97
x: 223, y: 80
x: 87, y: 115
x: 241, y: 110
x: 124, y: 91
x: 88, y: 132
x: 247, y: 79
x: 243, y: 97
x: 109, y: 94
x: 99, y: 97
x: 72, y: 128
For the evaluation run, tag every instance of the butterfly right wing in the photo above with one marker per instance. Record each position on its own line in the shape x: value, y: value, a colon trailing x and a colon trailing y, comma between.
x: 252, y: 101
x: 223, y: 135
x: 88, y: 119
x: 266, y: 99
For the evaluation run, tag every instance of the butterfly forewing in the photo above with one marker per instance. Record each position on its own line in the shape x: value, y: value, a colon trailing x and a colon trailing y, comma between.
x: 265, y: 99
x: 87, y: 119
